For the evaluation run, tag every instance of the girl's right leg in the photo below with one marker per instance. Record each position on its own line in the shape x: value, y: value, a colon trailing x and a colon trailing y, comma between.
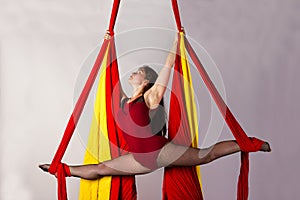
x: 124, y: 165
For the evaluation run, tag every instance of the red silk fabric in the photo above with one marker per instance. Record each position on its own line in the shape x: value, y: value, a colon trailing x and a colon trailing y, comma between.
x: 113, y: 16
x: 121, y: 187
x: 62, y: 172
x: 176, y: 15
x: 246, y: 144
x: 55, y: 165
x: 180, y: 182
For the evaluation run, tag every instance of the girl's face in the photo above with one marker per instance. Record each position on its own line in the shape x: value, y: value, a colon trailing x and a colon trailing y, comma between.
x: 137, y: 78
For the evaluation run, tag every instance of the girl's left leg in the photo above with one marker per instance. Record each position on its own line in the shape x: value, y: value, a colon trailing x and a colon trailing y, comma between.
x: 176, y: 155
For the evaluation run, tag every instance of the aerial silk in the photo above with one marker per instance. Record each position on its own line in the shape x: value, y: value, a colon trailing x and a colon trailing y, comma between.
x: 246, y: 144
x: 105, y: 141
x: 182, y: 182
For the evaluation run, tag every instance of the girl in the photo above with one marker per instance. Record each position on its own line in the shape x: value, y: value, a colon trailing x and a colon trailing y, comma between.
x: 142, y: 123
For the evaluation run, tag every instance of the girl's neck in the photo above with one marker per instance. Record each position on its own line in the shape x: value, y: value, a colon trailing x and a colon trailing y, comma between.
x: 134, y: 98
x: 137, y: 92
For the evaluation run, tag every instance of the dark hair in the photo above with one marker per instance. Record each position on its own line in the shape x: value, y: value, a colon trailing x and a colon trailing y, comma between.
x: 158, y: 118
x: 151, y: 76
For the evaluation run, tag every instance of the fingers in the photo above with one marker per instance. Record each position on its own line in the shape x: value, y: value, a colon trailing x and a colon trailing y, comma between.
x: 182, y: 29
x: 176, y: 36
x: 107, y: 35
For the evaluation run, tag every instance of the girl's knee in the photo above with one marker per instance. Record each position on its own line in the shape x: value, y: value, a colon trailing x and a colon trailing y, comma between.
x: 103, y: 170
x: 208, y: 155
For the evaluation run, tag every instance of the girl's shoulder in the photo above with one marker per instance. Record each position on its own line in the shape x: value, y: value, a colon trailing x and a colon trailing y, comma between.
x: 123, y: 101
x: 150, y: 99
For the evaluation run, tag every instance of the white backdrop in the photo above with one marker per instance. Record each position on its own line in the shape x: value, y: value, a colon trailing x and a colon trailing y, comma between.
x: 255, y: 44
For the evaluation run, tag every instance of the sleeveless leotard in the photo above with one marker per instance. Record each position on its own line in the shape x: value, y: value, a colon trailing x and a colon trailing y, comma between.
x: 135, y: 123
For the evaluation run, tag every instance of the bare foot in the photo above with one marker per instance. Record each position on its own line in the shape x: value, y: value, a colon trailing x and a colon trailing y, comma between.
x: 265, y: 147
x: 44, y: 167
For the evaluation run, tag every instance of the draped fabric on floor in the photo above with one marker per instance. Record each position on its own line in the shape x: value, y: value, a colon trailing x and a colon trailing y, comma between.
x: 106, y: 142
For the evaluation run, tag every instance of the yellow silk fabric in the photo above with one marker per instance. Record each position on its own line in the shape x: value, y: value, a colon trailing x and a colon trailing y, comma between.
x: 189, y: 98
x: 98, y: 149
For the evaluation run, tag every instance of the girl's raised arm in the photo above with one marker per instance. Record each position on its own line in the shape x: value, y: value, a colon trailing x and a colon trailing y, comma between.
x: 156, y: 92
